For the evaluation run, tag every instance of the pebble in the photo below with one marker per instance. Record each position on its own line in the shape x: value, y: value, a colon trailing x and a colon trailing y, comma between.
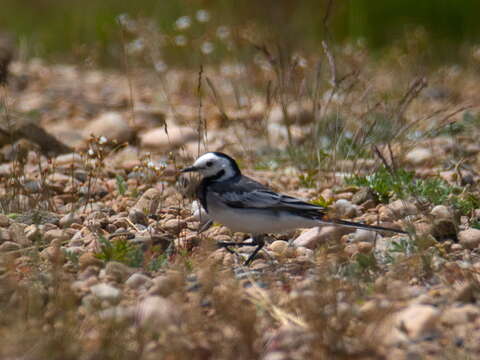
x: 442, y: 212
x: 279, y: 246
x: 412, y: 322
x: 69, y: 219
x: 157, y: 312
x: 4, y: 221
x: 17, y: 234
x: 68, y: 159
x: 146, y: 205
x: 365, y: 247
x: 106, y: 292
x: 117, y: 271
x: 363, y: 195
x: 419, y: 155
x: 174, y: 225
x: 88, y: 259
x: 112, y: 125
x: 158, y: 138
x: 164, y: 285
x: 137, y: 216
x: 362, y: 235
x: 470, y: 238
x: 460, y: 315
x: 344, y: 208
x: 137, y: 281
x: 55, y: 234
x: 396, y: 210
x: 8, y: 246
x: 311, y: 238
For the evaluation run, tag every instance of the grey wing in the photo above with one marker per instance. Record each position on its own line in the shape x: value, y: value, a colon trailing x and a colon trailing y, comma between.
x: 263, y: 199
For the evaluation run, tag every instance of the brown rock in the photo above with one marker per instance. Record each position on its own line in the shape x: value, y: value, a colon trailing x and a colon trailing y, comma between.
x: 4, y: 221
x: 17, y: 234
x: 157, y: 312
x: 174, y: 225
x: 396, y: 210
x: 470, y: 238
x: 112, y: 125
x: 365, y: 247
x: 411, y: 323
x: 88, y: 259
x: 8, y: 246
x: 460, y: 315
x: 117, y: 271
x: 55, y: 234
x: 363, y: 195
x: 146, y: 205
x: 313, y: 237
x: 157, y: 138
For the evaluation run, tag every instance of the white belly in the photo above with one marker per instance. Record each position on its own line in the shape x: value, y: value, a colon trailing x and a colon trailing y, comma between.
x: 257, y: 221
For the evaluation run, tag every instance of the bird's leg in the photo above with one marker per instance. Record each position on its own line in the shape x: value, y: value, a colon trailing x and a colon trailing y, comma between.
x: 260, y: 242
x: 226, y: 245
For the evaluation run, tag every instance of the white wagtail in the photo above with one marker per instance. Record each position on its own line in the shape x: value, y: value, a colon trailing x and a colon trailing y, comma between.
x: 244, y: 205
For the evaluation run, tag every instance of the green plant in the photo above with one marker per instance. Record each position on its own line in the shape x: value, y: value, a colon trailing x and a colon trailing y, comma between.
x: 120, y: 250
x: 403, y: 184
x: 121, y: 185
x: 405, y: 246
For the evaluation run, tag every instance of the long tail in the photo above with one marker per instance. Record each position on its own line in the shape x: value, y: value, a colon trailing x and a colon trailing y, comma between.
x: 361, y: 226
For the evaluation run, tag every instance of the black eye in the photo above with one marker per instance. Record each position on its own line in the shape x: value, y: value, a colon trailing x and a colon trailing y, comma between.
x: 209, y: 163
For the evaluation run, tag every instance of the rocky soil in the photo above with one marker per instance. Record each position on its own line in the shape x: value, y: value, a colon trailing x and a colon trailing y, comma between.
x: 100, y: 253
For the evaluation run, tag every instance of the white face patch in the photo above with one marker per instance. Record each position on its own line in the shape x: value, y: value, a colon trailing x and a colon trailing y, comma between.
x: 211, y: 164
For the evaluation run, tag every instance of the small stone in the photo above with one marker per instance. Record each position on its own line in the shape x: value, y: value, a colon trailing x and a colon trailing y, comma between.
x: 138, y: 217
x: 442, y: 212
x: 276, y: 355
x: 8, y: 246
x: 164, y: 285
x: 112, y: 125
x: 4, y: 221
x: 362, y: 235
x: 470, y: 238
x: 174, y: 225
x: 88, y: 259
x: 54, y: 253
x: 456, y: 247
x: 69, y: 219
x: 396, y: 210
x: 17, y: 234
x: 423, y: 228
x: 158, y: 138
x: 365, y: 247
x: 351, y: 249
x: 363, y: 195
x: 411, y: 323
x: 68, y: 159
x: 279, y: 246
x: 311, y: 238
x: 55, y: 234
x: 137, y: 281
x: 146, y: 205
x: 344, y: 208
x: 157, y: 312
x: 4, y: 235
x: 106, y: 292
x: 117, y: 271
x: 419, y: 155
x: 460, y: 315
x: 32, y: 232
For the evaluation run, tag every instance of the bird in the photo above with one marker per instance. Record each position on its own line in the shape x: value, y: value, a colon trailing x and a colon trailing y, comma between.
x: 244, y: 205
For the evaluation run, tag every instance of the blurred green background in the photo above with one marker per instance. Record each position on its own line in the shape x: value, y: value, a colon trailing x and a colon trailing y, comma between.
x: 80, y: 30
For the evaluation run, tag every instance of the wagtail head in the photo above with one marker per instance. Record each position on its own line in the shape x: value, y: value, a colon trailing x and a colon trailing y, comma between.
x: 215, y: 165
